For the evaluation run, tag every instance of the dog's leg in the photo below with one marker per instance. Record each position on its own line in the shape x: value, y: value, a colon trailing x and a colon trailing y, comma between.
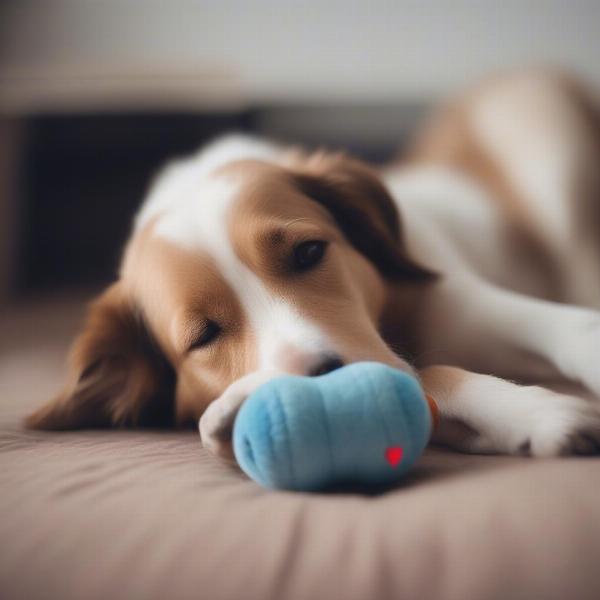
x: 474, y: 324
x: 484, y: 414
x: 541, y: 131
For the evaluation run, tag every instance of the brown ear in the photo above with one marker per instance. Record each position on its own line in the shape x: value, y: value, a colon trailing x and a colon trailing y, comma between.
x: 117, y: 376
x: 363, y: 208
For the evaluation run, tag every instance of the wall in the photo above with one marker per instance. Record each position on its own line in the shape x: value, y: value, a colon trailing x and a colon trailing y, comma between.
x: 335, y: 50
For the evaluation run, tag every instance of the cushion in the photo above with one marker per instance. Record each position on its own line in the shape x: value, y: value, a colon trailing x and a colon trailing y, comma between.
x: 149, y: 514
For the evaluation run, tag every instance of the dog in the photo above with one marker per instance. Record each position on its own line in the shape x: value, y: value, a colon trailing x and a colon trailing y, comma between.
x: 472, y: 262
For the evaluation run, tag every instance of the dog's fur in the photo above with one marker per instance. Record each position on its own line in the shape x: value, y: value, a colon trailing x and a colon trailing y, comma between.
x: 475, y: 257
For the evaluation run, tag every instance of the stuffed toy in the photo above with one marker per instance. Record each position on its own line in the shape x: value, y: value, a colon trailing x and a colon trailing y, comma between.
x: 363, y: 424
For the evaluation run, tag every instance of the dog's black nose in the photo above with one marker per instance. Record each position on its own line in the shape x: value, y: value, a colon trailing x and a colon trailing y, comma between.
x: 328, y: 364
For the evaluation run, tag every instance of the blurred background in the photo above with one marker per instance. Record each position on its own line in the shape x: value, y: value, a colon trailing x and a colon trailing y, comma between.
x: 96, y: 94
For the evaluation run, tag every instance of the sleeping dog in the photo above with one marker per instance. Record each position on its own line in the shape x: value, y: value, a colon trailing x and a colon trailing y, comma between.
x: 473, y: 262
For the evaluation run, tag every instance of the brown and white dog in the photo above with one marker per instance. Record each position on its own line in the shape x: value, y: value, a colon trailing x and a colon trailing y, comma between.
x: 475, y: 258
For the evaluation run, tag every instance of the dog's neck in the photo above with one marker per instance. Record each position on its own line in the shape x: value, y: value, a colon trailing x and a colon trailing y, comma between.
x: 403, y: 313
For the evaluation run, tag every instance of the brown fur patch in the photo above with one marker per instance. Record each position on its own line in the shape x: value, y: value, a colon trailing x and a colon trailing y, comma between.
x: 355, y: 195
x: 117, y: 375
x: 180, y: 289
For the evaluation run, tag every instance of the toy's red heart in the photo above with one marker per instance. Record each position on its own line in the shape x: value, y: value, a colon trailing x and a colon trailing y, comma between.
x: 394, y: 455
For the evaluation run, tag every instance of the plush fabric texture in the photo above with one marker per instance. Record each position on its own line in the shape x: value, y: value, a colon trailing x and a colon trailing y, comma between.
x: 149, y: 515
x: 366, y: 423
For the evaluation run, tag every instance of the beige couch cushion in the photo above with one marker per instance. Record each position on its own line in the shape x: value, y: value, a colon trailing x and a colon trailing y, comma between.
x: 109, y: 514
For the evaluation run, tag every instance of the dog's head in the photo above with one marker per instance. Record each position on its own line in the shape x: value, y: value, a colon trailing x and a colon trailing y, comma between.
x: 248, y: 266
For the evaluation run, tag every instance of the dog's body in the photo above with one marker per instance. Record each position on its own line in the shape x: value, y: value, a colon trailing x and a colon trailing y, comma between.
x: 249, y: 260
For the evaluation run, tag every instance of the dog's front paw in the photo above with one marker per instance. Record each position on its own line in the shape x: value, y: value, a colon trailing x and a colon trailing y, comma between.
x: 563, y: 425
x: 216, y: 424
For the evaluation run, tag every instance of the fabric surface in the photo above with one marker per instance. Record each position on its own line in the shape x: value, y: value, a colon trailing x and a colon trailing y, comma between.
x: 144, y: 515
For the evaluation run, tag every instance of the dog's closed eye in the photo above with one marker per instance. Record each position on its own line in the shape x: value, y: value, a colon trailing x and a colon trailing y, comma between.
x: 209, y: 332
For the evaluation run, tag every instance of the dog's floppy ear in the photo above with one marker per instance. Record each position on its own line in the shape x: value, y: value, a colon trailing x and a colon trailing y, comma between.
x: 363, y: 208
x: 117, y: 376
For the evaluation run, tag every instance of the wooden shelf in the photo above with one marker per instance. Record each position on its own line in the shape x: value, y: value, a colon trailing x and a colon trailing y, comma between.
x: 103, y: 88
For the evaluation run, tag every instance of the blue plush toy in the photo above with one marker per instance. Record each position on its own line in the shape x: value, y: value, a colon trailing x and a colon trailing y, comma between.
x: 366, y: 423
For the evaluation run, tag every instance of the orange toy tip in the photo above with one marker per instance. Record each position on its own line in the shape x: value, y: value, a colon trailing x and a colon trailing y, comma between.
x: 435, y: 411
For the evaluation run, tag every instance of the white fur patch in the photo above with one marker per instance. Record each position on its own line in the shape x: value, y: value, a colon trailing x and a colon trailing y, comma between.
x: 449, y: 220
x: 180, y: 181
